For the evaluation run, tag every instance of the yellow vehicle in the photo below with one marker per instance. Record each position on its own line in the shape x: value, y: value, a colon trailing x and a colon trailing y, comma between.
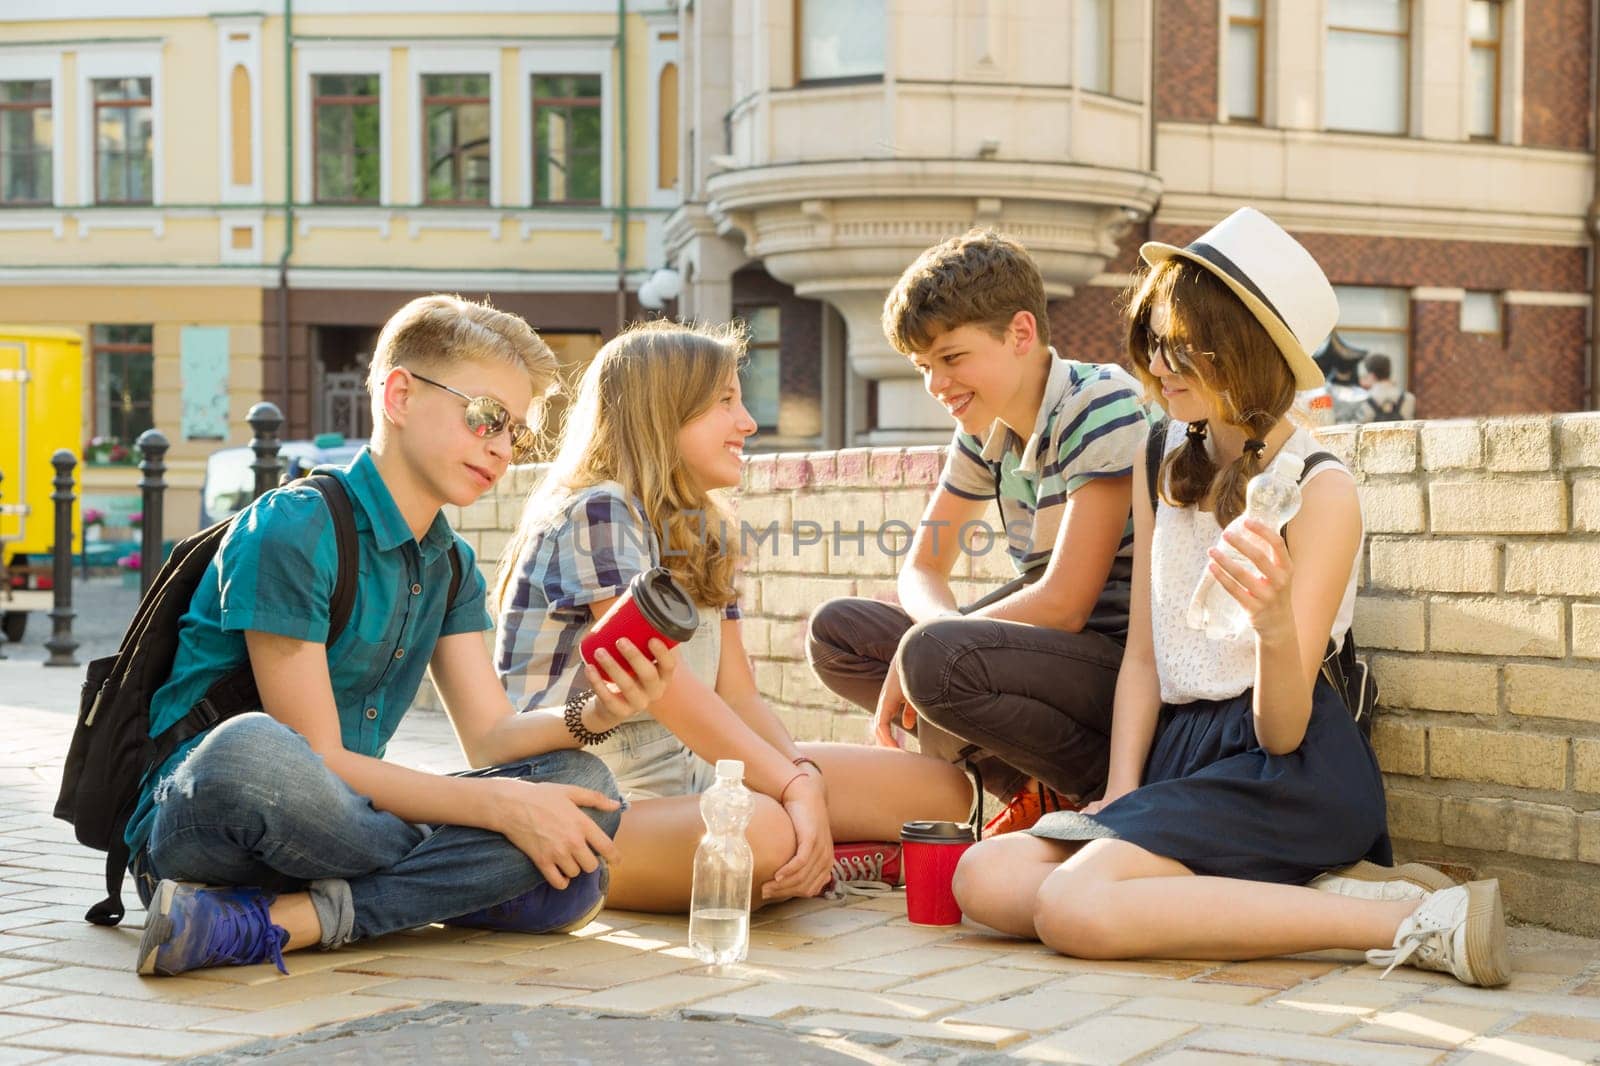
x: 41, y: 410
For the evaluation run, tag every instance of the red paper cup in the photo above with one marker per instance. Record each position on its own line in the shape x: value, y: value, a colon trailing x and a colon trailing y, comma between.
x: 655, y: 606
x: 929, y: 853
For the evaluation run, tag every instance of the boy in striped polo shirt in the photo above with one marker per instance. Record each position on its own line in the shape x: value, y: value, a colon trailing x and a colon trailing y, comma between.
x: 1020, y: 683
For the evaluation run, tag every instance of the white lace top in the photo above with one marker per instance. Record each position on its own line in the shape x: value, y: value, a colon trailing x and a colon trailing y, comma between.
x: 1191, y: 665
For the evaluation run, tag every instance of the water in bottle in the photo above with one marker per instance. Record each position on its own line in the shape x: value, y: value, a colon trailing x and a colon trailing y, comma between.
x: 719, y: 912
x: 1272, y: 497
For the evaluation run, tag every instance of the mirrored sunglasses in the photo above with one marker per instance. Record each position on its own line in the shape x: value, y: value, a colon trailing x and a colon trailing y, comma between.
x: 487, y: 417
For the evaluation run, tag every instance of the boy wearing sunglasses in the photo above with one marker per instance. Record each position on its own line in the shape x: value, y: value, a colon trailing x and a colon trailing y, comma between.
x: 286, y: 828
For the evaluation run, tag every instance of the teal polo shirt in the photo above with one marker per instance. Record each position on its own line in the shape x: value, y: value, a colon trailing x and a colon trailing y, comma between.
x: 275, y: 572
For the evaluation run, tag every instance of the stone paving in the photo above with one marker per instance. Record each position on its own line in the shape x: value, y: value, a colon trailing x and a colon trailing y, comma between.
x: 855, y: 979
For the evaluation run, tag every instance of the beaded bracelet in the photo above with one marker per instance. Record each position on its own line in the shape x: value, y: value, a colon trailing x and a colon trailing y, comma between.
x: 574, y: 720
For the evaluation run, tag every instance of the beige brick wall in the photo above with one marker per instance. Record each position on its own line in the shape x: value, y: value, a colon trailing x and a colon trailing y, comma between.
x: 1479, y: 607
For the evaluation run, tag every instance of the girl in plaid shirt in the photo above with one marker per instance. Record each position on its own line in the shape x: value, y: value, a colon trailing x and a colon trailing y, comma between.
x: 657, y: 429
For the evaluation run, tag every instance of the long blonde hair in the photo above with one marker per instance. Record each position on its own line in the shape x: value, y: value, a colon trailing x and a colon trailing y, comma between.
x: 643, y: 386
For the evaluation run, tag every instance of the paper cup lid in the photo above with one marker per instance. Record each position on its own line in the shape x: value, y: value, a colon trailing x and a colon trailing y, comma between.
x: 665, y: 604
x: 937, y: 832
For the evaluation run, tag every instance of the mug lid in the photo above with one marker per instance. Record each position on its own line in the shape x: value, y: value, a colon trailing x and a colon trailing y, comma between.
x: 937, y: 832
x: 665, y: 604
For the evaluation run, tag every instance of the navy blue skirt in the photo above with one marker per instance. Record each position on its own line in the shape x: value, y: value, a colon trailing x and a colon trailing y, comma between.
x: 1216, y: 801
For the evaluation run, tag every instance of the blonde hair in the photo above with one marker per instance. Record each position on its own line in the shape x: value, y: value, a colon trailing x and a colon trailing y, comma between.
x: 643, y: 386
x: 437, y: 331
x: 982, y: 278
x: 1212, y: 338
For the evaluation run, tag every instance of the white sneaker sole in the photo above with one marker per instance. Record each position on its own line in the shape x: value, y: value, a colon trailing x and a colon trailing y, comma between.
x: 157, y: 927
x: 1488, y: 957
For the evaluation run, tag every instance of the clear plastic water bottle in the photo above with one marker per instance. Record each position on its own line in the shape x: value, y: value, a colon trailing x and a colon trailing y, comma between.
x: 1271, y: 498
x: 719, y: 911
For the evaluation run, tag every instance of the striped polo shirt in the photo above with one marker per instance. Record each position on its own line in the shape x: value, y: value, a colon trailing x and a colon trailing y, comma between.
x: 1091, y: 424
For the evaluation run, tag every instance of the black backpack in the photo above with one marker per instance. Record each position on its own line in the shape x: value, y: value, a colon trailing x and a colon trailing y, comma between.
x: 112, y: 749
x: 1350, y: 677
x: 1386, y: 412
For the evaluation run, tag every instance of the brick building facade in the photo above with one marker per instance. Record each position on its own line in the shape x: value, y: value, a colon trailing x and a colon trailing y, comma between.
x: 1539, y: 357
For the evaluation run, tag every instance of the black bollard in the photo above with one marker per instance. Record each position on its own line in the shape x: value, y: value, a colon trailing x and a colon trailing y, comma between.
x: 265, y: 419
x: 61, y: 644
x: 152, y: 464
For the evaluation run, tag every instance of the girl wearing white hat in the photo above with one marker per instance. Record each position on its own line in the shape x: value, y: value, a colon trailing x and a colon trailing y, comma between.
x: 1238, y: 780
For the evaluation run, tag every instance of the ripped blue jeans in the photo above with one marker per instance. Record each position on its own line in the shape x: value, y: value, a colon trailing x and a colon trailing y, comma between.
x: 254, y: 805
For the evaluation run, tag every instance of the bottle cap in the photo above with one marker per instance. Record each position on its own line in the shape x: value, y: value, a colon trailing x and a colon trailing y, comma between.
x: 730, y: 769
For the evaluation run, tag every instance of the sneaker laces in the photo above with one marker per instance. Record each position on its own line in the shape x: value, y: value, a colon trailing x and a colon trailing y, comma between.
x: 1421, y: 934
x: 244, y: 933
x: 858, y: 875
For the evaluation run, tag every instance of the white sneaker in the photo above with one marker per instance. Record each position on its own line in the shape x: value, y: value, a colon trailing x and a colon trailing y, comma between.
x: 1368, y: 880
x: 1459, y: 931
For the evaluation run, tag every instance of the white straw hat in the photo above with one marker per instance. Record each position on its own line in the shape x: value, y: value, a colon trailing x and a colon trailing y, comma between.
x: 1274, y: 276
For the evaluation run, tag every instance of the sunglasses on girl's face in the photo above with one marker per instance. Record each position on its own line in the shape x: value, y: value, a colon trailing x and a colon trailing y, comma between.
x: 487, y: 417
x: 1177, y: 355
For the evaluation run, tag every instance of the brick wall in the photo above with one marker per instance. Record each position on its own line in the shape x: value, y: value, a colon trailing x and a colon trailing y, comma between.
x: 1479, y: 608
x: 1556, y: 105
x: 1187, y: 47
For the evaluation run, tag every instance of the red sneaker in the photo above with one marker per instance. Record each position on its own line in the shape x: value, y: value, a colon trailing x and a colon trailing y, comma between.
x: 1027, y: 807
x: 865, y: 868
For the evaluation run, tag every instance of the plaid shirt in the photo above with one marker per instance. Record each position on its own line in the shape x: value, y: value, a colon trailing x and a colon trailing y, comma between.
x: 597, y: 545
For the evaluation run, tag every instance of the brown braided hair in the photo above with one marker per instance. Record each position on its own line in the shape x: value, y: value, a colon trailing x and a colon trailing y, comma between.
x: 1216, y: 342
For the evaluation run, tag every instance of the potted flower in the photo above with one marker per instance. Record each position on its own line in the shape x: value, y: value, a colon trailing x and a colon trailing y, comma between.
x: 136, y: 520
x: 130, y: 564
x: 93, y: 516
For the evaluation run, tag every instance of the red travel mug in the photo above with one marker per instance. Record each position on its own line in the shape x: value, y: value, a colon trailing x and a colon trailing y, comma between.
x: 655, y: 605
x: 929, y: 853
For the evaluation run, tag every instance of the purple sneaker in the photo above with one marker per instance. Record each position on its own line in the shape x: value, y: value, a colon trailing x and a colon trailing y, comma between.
x: 543, y: 909
x: 191, y: 927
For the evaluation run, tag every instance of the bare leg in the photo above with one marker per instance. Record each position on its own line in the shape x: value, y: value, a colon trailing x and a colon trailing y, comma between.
x: 872, y: 792
x: 998, y: 880
x: 1116, y: 900
x: 657, y: 841
x: 295, y: 913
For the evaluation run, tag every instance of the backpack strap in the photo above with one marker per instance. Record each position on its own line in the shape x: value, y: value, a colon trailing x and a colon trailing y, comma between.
x: 344, y: 535
x: 1154, y: 445
x: 455, y: 576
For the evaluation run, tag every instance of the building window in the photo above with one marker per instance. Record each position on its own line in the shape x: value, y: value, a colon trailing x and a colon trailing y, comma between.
x: 124, y: 382
x: 566, y: 139
x: 455, y: 110
x: 26, y: 130
x: 839, y: 39
x: 1094, y: 39
x: 667, y: 127
x: 124, y: 130
x: 1246, y: 59
x: 1367, y: 66
x: 1480, y: 313
x: 346, y: 154
x: 1484, y: 25
x: 1379, y: 321
x: 760, y: 378
x: 242, y: 163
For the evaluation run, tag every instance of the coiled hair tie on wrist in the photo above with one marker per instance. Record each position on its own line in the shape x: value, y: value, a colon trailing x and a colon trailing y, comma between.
x: 1255, y: 447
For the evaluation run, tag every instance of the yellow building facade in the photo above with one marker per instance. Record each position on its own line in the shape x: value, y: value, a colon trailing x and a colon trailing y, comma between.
x: 227, y: 202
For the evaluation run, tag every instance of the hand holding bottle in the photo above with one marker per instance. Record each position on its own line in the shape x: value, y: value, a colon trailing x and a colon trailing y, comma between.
x: 1271, y: 499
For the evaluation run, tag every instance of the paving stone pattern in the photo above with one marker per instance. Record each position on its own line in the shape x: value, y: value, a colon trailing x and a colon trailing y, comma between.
x: 824, y: 980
